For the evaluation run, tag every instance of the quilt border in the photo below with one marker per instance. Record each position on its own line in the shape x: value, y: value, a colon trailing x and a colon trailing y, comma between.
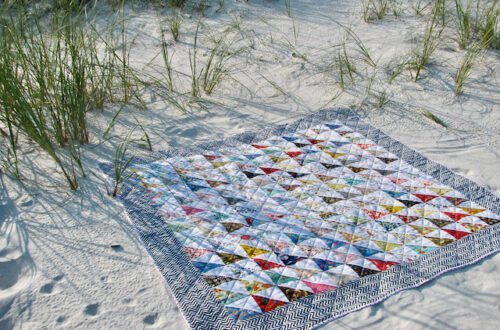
x: 201, y: 308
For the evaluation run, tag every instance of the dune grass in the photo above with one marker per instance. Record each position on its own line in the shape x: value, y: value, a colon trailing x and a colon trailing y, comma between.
x: 344, y: 65
x: 382, y: 98
x: 488, y: 24
x: 430, y: 42
x: 167, y: 60
x: 440, y: 11
x: 486, y: 36
x: 195, y: 76
x: 481, y: 33
x: 51, y: 76
x: 177, y: 3
x: 121, y: 163
x: 206, y: 70
x: 217, y: 66
x: 420, y: 6
x: 429, y: 115
x: 396, y: 7
x: 465, y: 68
x: 463, y: 23
x: 175, y: 26
x: 361, y: 48
x: 206, y: 76
x: 42, y: 86
x: 374, y: 9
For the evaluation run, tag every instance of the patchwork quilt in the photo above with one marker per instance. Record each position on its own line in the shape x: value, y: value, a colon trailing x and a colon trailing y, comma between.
x: 303, y: 223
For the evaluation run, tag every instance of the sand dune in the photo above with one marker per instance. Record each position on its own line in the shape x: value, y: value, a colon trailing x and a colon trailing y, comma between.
x: 58, y: 268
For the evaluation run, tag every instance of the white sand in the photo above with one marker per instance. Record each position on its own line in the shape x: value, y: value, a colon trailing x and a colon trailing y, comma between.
x: 57, y: 267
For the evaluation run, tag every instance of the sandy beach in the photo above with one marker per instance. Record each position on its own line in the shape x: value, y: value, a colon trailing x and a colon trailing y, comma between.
x: 72, y: 260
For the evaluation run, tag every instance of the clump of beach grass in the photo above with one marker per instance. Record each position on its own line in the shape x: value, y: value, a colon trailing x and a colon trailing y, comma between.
x: 177, y: 3
x: 43, y: 86
x: 397, y: 67
x: 344, y: 65
x: 9, y: 158
x: 175, y: 25
x: 382, y: 98
x: 206, y: 70
x: 213, y: 70
x: 374, y: 9
x: 466, y: 65
x: 431, y: 116
x: 167, y: 60
x: 463, y: 23
x: 396, y: 7
x: 69, y: 5
x: 420, y: 6
x: 430, y: 42
x: 195, y: 77
x: 51, y: 76
x: 121, y: 163
x: 488, y: 25
x: 361, y: 49
x: 439, y: 10
x: 216, y: 67
x: 145, y: 140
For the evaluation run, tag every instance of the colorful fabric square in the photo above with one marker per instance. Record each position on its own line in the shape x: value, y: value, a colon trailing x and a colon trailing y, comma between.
x: 297, y: 216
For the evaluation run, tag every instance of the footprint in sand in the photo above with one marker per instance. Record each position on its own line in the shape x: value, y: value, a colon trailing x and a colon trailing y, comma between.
x: 47, y: 288
x: 58, y: 278
x: 117, y: 248
x: 150, y: 319
x: 61, y: 319
x: 129, y: 301
x: 17, y: 269
x: 91, y: 309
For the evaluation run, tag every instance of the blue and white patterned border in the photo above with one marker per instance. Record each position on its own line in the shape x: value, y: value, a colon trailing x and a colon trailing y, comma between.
x: 201, y: 308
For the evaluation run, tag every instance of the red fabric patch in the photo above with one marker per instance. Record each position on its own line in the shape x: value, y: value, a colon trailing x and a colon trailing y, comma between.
x: 456, y: 233
x: 365, y: 145
x: 259, y: 147
x: 375, y: 214
x: 268, y: 304
x: 191, y: 210
x: 406, y: 218
x: 265, y: 265
x: 456, y: 216
x: 425, y: 198
x: 269, y: 170
x: 315, y: 141
x: 382, y: 265
x: 318, y: 287
x: 294, y: 153
x: 211, y: 157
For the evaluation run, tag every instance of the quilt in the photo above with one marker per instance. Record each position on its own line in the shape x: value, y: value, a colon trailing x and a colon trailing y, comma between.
x: 299, y: 224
